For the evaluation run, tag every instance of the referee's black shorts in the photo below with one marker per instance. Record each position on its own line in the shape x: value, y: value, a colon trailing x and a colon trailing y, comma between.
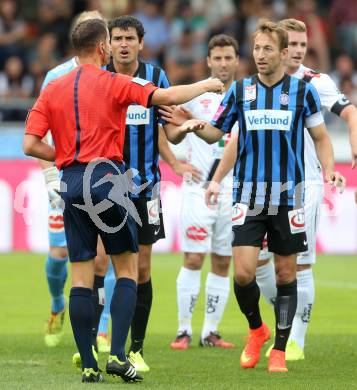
x: 115, y: 225
x: 285, y: 231
x: 150, y: 212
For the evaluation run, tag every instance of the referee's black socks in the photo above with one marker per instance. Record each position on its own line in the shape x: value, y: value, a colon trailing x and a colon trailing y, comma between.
x: 285, y: 308
x: 122, y: 309
x: 81, y: 314
x: 248, y: 301
x: 141, y: 316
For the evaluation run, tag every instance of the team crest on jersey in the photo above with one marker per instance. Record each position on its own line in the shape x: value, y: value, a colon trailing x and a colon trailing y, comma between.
x: 284, y: 99
x: 250, y: 93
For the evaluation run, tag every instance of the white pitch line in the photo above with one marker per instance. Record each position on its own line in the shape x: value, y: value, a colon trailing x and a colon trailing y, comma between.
x: 337, y: 284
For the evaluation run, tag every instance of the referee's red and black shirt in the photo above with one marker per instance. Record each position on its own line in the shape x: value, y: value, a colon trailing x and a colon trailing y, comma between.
x: 86, y: 112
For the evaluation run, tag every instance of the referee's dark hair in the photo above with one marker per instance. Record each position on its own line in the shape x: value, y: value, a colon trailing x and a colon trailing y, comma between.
x: 268, y: 27
x: 125, y: 22
x: 88, y: 34
x: 222, y: 40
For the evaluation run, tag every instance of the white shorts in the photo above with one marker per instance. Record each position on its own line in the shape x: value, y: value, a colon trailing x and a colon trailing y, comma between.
x: 314, y: 194
x: 204, y: 229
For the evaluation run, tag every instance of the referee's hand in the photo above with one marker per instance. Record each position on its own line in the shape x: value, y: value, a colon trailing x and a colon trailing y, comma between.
x: 335, y: 179
x: 214, y: 85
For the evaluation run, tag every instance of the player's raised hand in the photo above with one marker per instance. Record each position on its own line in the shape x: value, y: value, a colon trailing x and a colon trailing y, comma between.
x: 188, y: 171
x: 176, y: 115
x: 211, y: 194
x: 191, y: 126
x: 214, y: 85
x: 335, y: 179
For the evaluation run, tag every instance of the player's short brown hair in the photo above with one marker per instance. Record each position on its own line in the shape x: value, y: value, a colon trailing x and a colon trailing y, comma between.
x: 292, y: 25
x: 222, y: 40
x: 268, y: 27
x: 88, y: 34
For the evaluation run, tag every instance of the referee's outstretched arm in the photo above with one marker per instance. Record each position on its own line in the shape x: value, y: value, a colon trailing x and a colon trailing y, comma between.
x: 180, y: 94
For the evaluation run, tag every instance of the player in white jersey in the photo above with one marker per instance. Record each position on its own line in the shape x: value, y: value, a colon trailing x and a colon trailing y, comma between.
x: 205, y: 229
x: 333, y: 100
x: 56, y: 263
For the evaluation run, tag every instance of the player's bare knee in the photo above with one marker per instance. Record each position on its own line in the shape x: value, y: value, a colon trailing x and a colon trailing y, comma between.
x: 285, y: 275
x: 101, y: 265
x: 193, y: 261
x: 58, y: 252
x: 220, y: 264
x: 243, y: 277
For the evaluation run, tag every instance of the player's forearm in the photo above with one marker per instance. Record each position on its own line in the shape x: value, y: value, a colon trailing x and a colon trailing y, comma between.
x: 35, y: 147
x: 227, y: 162
x: 210, y: 134
x: 324, y: 153
x: 180, y: 94
x: 349, y: 114
x: 173, y: 134
x: 165, y: 150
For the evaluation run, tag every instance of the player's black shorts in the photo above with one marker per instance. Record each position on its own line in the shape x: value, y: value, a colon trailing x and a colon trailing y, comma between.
x: 150, y: 213
x: 82, y: 224
x: 285, y: 231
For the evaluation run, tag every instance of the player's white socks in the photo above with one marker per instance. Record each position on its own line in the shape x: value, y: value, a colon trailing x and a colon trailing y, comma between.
x: 217, y: 292
x: 265, y: 276
x: 306, y: 298
x: 188, y: 287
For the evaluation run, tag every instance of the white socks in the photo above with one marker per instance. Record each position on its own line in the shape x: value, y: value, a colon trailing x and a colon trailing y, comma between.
x: 306, y: 298
x: 188, y: 287
x: 265, y: 276
x: 217, y: 292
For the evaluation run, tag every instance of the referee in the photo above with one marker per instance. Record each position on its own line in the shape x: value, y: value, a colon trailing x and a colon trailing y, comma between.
x: 86, y: 111
x: 271, y: 109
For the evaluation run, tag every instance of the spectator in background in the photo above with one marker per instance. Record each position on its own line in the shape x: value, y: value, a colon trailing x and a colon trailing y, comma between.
x: 348, y: 88
x: 157, y: 34
x: 14, y: 83
x: 216, y: 13
x: 185, y: 64
x: 344, y: 18
x: 12, y: 31
x: 110, y: 8
x: 45, y: 56
x: 186, y: 19
x: 317, y: 32
x: 344, y: 69
x: 55, y: 17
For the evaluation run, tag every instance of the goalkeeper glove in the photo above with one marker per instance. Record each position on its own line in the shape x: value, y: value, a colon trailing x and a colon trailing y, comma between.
x: 53, y: 186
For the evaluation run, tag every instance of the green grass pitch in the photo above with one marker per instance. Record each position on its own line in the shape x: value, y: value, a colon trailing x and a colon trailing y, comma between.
x: 331, y: 357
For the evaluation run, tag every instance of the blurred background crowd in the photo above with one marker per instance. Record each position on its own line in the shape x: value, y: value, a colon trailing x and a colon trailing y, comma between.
x: 34, y: 37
